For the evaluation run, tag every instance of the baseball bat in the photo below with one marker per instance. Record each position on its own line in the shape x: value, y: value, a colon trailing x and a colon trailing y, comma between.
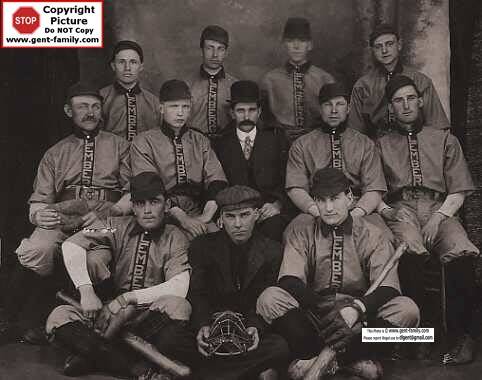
x: 325, y: 358
x: 140, y: 345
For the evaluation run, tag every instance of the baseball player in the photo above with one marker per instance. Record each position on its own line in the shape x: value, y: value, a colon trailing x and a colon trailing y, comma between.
x: 370, y: 113
x: 328, y: 264
x: 428, y: 180
x: 256, y: 157
x: 334, y: 144
x: 230, y: 269
x: 79, y: 179
x: 128, y: 108
x: 184, y: 159
x: 210, y: 86
x: 151, y: 271
x: 290, y: 92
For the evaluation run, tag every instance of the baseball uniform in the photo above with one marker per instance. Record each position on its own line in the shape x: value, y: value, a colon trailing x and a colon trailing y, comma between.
x: 290, y: 97
x: 369, y: 108
x: 189, y: 168
x: 129, y: 112
x: 93, y: 169
x: 210, y: 111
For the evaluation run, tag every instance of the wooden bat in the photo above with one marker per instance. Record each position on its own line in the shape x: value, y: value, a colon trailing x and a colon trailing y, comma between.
x: 324, y: 361
x: 140, y: 345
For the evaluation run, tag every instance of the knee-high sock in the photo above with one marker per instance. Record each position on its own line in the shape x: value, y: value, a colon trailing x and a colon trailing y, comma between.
x: 411, y: 272
x: 460, y: 291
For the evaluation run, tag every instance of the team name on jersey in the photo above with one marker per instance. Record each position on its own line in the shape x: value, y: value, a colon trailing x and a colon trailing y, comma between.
x: 180, y: 162
x: 336, y: 153
x: 337, y: 260
x: 88, y: 162
x: 140, y: 262
x: 299, y: 98
x: 212, y: 111
x: 131, y: 102
x: 417, y: 178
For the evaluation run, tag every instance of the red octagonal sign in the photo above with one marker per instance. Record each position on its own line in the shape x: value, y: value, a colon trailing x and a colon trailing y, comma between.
x: 26, y: 20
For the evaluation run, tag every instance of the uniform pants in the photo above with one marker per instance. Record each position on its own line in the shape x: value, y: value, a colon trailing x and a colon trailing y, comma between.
x: 451, y: 240
x: 40, y: 251
x: 275, y: 303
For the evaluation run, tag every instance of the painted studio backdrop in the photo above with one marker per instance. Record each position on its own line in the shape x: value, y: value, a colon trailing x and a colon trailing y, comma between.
x: 169, y: 33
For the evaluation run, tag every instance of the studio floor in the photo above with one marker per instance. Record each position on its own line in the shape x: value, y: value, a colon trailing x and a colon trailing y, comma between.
x: 20, y: 361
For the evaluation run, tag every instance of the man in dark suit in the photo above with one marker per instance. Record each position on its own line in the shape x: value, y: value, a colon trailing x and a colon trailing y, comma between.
x: 230, y: 269
x: 256, y: 157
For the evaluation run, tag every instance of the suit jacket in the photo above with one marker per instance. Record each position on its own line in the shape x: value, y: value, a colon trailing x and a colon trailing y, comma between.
x: 212, y: 286
x: 266, y: 168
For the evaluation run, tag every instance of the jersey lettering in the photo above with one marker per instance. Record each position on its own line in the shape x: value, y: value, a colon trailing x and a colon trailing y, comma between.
x: 131, y: 116
x: 140, y: 262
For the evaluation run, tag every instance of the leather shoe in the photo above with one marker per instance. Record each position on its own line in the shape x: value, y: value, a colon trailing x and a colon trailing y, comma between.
x: 365, y: 369
x: 76, y: 365
x: 461, y: 352
x: 35, y: 336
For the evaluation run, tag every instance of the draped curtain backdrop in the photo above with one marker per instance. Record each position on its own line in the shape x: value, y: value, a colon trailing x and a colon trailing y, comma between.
x: 169, y: 33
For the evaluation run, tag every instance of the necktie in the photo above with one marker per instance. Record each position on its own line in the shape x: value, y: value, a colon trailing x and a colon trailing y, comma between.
x: 248, y: 147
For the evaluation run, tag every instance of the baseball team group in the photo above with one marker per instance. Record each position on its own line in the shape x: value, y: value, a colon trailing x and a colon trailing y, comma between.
x: 237, y: 230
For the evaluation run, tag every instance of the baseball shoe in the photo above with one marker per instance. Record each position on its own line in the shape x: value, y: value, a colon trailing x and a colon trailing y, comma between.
x: 76, y: 365
x: 35, y: 336
x: 461, y: 352
x: 365, y: 369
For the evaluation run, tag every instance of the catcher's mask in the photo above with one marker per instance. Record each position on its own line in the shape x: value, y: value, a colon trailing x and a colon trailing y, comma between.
x: 228, y: 335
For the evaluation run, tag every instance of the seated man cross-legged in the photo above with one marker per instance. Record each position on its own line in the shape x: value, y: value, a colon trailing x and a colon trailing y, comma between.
x: 150, y: 271
x: 328, y: 265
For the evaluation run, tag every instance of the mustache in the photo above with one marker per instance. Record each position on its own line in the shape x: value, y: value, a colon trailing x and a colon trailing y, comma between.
x: 247, y: 123
x: 89, y: 118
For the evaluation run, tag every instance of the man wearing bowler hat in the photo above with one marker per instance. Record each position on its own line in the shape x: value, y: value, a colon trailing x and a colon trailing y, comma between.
x: 328, y: 264
x: 370, y: 113
x: 128, y: 108
x: 80, y: 178
x: 184, y: 159
x: 231, y: 268
x: 210, y: 86
x: 334, y: 144
x: 290, y: 92
x: 150, y: 272
x: 255, y: 156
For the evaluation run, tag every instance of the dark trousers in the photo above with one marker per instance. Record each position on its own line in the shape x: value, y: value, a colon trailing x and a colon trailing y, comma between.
x: 272, y: 352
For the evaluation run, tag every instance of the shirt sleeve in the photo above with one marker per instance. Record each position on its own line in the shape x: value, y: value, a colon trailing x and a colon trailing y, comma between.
x: 372, y: 176
x: 177, y: 261
x: 433, y: 111
x: 213, y: 174
x: 355, y: 117
x: 44, y: 185
x: 296, y: 171
x: 456, y: 172
x: 125, y: 165
x: 141, y: 156
x: 296, y: 251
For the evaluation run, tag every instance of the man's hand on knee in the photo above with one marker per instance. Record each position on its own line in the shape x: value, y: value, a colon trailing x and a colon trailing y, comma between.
x: 47, y: 218
x: 89, y: 301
